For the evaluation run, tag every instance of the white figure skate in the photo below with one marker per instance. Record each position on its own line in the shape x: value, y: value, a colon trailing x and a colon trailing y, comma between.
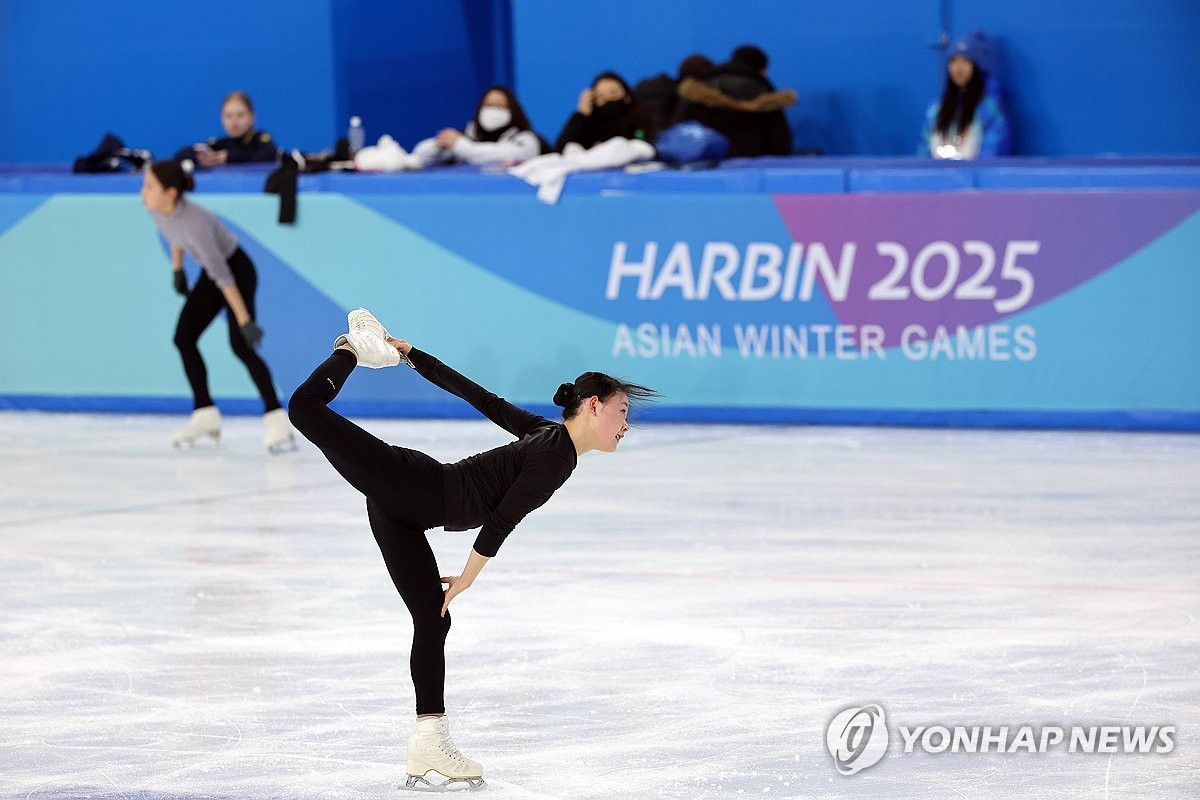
x: 278, y: 438
x: 204, y: 422
x: 434, y: 763
x: 368, y: 339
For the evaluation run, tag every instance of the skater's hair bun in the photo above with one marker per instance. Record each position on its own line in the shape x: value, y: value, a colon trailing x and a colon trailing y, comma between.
x: 564, y: 395
x: 596, y: 384
x: 175, y: 174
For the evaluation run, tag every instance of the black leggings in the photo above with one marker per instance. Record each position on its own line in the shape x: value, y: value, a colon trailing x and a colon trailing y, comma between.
x: 405, y: 494
x: 203, y: 304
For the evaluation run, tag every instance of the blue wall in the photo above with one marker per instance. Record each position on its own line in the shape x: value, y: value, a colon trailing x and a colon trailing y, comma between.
x: 411, y: 69
x: 155, y: 73
x: 1085, y: 76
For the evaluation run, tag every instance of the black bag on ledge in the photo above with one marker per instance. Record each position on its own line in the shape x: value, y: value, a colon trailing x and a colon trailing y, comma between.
x: 111, y: 155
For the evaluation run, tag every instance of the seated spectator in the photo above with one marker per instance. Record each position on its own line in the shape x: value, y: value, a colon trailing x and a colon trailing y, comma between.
x: 242, y: 144
x: 660, y: 95
x: 606, y: 110
x: 740, y: 102
x: 499, y: 133
x: 968, y: 121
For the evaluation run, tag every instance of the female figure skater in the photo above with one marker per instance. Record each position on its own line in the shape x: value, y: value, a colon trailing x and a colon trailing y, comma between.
x: 227, y: 282
x: 409, y: 492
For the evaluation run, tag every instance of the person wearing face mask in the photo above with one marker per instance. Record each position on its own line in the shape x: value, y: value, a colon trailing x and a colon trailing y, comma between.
x: 242, y: 143
x: 499, y: 133
x: 607, y: 109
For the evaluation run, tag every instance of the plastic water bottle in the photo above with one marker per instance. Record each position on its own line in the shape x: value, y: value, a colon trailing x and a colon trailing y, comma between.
x: 356, y: 136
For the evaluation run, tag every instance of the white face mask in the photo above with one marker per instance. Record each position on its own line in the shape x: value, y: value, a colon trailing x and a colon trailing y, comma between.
x: 492, y: 118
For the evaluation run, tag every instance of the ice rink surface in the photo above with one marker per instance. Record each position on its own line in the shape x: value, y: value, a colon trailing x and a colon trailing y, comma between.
x: 682, y: 620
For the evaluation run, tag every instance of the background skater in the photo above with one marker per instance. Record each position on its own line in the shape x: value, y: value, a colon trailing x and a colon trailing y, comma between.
x: 228, y: 281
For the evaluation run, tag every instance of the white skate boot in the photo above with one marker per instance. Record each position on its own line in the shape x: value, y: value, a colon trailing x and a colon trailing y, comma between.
x: 278, y: 438
x: 368, y: 339
x: 431, y: 751
x: 203, y: 422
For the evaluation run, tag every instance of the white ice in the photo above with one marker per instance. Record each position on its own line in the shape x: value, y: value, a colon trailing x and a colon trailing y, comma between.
x: 682, y: 620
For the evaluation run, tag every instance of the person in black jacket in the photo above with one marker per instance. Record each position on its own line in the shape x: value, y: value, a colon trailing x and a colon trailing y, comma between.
x: 409, y: 492
x: 242, y: 143
x: 659, y: 95
x: 739, y: 101
x: 607, y: 109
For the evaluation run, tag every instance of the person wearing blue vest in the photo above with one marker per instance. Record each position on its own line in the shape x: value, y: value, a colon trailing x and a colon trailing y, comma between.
x: 968, y: 121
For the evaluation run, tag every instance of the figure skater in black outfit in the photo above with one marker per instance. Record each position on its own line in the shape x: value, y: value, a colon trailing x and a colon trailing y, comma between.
x: 409, y: 492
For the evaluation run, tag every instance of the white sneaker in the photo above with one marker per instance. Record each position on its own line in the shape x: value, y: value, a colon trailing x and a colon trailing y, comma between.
x: 278, y: 438
x: 203, y: 422
x: 430, y: 750
x: 368, y: 339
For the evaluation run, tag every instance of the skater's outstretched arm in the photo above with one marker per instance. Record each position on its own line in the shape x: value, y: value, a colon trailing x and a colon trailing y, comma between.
x: 513, y: 419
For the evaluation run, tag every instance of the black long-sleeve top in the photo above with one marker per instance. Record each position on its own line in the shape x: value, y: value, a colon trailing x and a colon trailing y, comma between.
x: 591, y: 130
x: 498, y: 488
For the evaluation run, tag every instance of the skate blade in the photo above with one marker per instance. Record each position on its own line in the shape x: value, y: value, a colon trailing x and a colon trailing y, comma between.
x: 419, y: 783
x: 278, y: 448
x: 194, y: 444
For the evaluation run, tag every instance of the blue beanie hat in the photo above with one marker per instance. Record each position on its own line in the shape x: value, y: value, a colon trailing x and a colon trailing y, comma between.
x: 977, y: 47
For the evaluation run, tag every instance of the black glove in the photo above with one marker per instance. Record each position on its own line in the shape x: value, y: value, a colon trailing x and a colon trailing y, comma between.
x: 180, y: 282
x: 252, y: 333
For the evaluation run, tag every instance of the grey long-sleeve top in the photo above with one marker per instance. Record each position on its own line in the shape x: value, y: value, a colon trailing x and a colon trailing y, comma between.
x: 202, y: 236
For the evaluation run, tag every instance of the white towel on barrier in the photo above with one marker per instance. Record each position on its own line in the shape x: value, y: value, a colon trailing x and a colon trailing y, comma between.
x: 549, y: 172
x: 386, y: 156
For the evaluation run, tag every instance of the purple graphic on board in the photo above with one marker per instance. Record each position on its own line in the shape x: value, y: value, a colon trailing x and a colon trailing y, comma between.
x: 970, y: 258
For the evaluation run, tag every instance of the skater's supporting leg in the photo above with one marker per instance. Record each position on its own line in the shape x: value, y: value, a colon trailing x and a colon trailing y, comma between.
x: 414, y: 571
x: 247, y: 282
x: 203, y: 304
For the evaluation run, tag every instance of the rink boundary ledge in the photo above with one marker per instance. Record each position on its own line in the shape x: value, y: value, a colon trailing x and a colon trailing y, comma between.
x: 1143, y: 420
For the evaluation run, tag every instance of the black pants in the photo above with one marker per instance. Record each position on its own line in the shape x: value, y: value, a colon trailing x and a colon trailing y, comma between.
x: 406, y: 496
x: 203, y: 304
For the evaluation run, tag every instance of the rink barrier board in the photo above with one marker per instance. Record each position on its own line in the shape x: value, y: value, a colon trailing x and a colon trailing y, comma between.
x: 1113, y: 268
x: 771, y: 175
x: 656, y: 413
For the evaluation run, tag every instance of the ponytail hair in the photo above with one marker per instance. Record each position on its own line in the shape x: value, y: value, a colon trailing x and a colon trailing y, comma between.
x: 175, y: 174
x: 570, y: 396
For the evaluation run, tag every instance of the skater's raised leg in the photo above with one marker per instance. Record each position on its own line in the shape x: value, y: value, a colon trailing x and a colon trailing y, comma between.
x: 401, y: 481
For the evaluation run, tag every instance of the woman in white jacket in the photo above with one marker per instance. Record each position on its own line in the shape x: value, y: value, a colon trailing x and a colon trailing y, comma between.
x: 498, y: 134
